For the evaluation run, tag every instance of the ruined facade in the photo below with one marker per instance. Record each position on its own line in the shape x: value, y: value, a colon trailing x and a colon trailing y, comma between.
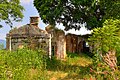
x: 76, y: 43
x: 52, y: 40
x: 58, y: 41
x: 28, y: 35
x: 31, y: 36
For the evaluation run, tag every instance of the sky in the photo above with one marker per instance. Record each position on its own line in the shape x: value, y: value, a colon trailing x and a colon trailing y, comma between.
x: 30, y: 10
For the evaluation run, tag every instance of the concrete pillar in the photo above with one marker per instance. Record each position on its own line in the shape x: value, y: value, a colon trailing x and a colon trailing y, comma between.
x: 50, y: 53
x: 10, y: 44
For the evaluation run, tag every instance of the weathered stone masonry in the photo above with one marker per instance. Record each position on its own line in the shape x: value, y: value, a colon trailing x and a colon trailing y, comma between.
x: 52, y: 40
x: 32, y: 36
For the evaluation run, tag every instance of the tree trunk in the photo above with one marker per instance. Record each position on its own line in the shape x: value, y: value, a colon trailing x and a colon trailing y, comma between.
x: 110, y: 59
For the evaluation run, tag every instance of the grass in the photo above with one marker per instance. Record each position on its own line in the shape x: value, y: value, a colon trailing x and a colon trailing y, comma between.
x: 74, y: 67
x: 35, y: 65
x: 31, y: 65
x: 21, y: 64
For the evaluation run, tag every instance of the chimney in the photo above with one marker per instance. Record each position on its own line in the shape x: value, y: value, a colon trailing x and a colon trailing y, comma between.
x: 34, y: 21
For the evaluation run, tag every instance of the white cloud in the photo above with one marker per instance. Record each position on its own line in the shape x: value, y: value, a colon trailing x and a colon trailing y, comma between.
x: 26, y: 1
x: 82, y: 31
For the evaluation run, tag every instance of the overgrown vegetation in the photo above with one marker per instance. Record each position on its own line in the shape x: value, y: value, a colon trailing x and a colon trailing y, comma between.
x: 25, y: 64
x: 73, y: 67
x: 22, y: 64
x: 105, y: 42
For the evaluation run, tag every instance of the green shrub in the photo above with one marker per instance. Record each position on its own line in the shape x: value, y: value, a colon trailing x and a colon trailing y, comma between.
x: 20, y: 64
x: 106, y: 42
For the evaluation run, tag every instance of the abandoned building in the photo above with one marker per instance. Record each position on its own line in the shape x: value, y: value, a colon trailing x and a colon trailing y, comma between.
x: 32, y: 36
x: 76, y: 43
x: 52, y: 40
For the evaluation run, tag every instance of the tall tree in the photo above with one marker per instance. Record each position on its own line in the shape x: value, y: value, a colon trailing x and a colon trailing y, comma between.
x: 10, y: 10
x: 72, y: 13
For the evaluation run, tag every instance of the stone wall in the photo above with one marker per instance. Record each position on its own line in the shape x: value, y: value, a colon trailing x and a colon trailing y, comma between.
x: 35, y: 38
x: 32, y: 43
x: 61, y: 45
x: 58, y: 42
x: 75, y: 43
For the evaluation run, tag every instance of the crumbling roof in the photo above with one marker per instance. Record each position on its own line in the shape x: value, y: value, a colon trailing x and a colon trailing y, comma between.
x: 27, y: 29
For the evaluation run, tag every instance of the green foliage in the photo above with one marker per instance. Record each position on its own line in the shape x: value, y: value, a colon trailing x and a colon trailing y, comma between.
x: 22, y: 64
x: 111, y: 8
x: 25, y: 64
x: 10, y: 10
x: 106, y: 38
x: 74, y: 12
x: 70, y: 13
x: 103, y: 40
